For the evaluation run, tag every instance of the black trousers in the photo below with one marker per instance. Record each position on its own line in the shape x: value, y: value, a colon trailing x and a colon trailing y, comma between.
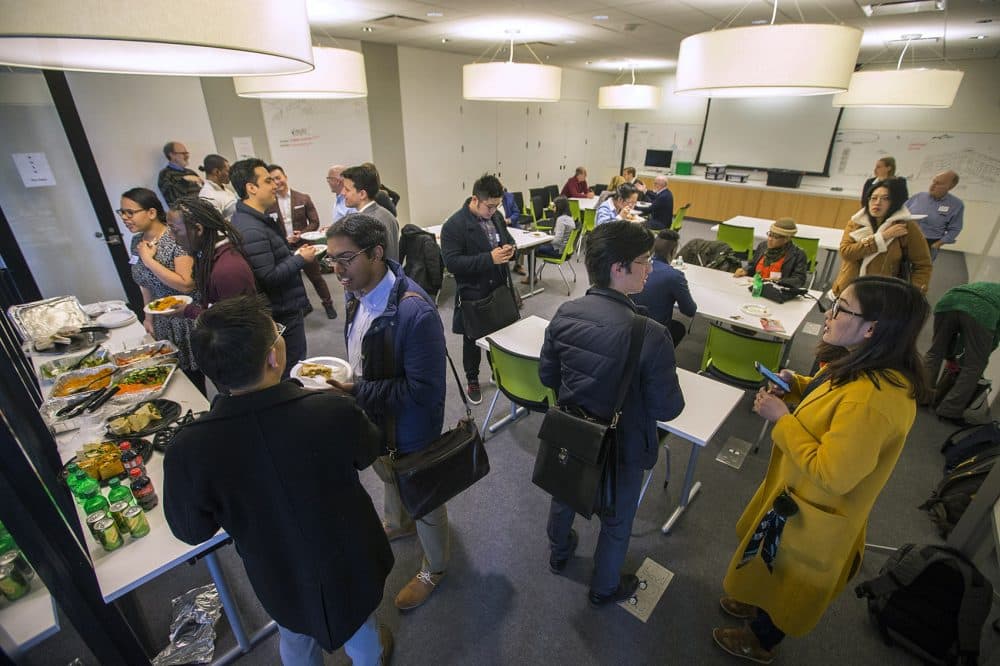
x: 295, y: 339
x: 763, y: 628
x: 472, y: 357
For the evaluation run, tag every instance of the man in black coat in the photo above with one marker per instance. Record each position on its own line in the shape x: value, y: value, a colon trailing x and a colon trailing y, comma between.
x: 661, y: 212
x: 585, y: 350
x: 476, y: 247
x: 276, y: 466
x: 277, y: 270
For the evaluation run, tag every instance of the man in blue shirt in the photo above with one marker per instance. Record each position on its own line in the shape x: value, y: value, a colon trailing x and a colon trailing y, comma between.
x: 176, y: 180
x: 395, y: 345
x: 944, y: 211
x: 336, y: 183
x: 666, y: 286
x: 661, y: 213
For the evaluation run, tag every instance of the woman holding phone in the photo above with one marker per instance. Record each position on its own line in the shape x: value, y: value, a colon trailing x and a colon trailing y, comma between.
x: 883, y: 239
x: 837, y: 437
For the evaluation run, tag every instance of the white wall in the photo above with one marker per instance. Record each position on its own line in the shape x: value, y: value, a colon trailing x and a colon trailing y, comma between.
x: 449, y: 141
x: 128, y: 119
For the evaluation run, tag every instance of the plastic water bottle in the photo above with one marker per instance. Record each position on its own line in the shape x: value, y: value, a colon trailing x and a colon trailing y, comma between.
x: 758, y: 285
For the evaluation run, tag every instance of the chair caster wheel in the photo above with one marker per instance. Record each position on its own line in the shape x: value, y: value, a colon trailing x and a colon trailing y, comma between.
x: 643, y: 585
x: 633, y: 601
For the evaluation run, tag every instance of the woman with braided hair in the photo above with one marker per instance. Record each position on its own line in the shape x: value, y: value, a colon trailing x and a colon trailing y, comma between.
x: 221, y: 269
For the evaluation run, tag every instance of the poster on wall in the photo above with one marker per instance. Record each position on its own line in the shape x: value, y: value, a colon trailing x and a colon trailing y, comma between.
x: 34, y: 169
x: 243, y: 146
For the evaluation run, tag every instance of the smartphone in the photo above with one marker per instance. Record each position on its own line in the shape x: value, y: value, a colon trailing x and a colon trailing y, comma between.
x: 778, y: 381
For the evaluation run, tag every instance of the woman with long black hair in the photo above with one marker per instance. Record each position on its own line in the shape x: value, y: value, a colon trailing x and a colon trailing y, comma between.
x: 221, y: 269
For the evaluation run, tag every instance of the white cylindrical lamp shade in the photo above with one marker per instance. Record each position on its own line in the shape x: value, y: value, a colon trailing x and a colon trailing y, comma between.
x: 914, y: 88
x: 767, y: 60
x: 339, y: 74
x: 511, y: 82
x: 181, y: 37
x: 628, y: 96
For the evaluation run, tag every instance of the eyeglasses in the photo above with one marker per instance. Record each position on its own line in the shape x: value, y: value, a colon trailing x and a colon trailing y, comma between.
x: 877, y: 198
x: 644, y: 262
x: 490, y: 207
x: 280, y: 328
x: 838, y: 308
x: 771, y: 234
x: 184, y: 154
x: 346, y: 260
x: 128, y: 212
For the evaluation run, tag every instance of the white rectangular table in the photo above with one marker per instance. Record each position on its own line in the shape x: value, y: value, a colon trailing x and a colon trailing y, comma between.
x: 722, y: 297
x: 523, y: 240
x: 829, y: 239
x: 141, y: 560
x: 28, y: 621
x: 707, y: 403
x: 586, y: 202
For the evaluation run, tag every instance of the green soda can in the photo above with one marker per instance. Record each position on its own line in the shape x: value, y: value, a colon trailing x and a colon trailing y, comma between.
x: 116, y: 510
x: 12, y: 583
x: 16, y: 558
x: 108, y: 534
x: 93, y: 518
x: 136, y: 521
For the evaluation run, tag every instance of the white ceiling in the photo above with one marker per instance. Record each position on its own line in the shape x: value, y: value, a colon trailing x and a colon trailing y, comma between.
x: 565, y: 32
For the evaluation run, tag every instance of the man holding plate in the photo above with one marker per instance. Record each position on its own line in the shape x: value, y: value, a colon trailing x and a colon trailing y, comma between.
x: 395, y: 345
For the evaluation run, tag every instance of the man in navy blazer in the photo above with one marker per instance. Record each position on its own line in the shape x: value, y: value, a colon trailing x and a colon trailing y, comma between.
x: 661, y: 213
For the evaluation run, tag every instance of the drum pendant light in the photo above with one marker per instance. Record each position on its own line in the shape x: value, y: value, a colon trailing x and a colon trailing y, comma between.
x: 339, y: 74
x: 628, y: 96
x: 765, y: 60
x: 512, y: 81
x: 181, y: 37
x: 902, y: 88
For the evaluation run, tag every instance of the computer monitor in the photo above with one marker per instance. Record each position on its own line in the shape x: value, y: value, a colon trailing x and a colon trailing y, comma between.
x: 659, y: 158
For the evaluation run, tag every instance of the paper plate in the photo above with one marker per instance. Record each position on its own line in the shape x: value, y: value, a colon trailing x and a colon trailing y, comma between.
x: 341, y: 371
x: 320, y: 250
x: 755, y: 310
x: 312, y: 236
x: 185, y: 300
x: 116, y: 318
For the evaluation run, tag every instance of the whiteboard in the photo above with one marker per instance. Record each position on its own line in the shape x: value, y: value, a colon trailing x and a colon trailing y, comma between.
x: 682, y: 139
x: 770, y: 132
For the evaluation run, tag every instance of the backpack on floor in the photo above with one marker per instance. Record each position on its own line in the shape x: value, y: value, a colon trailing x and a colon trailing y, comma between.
x: 978, y: 410
x: 954, y: 493
x: 965, y: 443
x: 931, y: 601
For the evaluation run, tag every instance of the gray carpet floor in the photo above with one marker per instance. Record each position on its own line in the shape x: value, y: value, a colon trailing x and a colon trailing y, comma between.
x: 499, y: 604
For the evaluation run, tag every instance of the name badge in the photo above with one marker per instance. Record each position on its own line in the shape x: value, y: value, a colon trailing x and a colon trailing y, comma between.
x: 133, y: 260
x: 274, y: 216
x: 943, y: 209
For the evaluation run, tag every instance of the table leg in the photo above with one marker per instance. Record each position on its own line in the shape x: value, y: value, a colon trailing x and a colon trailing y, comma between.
x: 516, y: 412
x: 690, y: 489
x: 228, y: 604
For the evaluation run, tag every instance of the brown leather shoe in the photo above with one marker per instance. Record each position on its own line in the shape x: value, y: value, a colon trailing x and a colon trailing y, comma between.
x: 738, y: 609
x: 396, y: 533
x: 741, y: 642
x: 385, y: 640
x: 418, y: 590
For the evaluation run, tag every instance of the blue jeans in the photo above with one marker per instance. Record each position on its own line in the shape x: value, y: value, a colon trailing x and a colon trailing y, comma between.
x: 616, y: 530
x: 363, y: 647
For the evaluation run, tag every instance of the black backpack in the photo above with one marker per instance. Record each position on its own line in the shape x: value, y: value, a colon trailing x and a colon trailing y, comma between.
x: 955, y: 492
x: 932, y: 601
x: 975, y: 441
x: 710, y: 254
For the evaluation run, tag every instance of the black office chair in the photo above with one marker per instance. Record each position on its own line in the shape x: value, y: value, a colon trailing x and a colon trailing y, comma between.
x: 553, y: 191
x: 600, y: 187
x: 519, y: 200
x: 538, y: 207
x: 536, y: 192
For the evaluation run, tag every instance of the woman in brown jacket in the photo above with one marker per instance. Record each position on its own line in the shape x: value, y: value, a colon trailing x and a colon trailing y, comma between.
x: 883, y: 239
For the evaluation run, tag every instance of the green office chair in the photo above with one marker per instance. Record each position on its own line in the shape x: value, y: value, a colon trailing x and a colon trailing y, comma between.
x: 527, y: 214
x: 679, y: 217
x: 729, y: 356
x: 574, y: 210
x: 738, y: 238
x: 589, y: 222
x: 811, y: 247
x: 562, y: 260
x: 516, y: 377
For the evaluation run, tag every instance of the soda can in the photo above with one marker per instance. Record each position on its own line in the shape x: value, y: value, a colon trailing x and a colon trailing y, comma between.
x: 116, y: 510
x: 21, y: 565
x: 108, y: 534
x: 12, y: 583
x: 136, y: 521
x: 93, y: 519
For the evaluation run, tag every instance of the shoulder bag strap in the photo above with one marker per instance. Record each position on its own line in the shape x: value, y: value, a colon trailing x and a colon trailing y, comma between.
x: 634, y: 350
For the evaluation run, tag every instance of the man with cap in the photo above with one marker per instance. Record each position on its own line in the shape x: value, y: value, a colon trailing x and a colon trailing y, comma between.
x: 778, y: 258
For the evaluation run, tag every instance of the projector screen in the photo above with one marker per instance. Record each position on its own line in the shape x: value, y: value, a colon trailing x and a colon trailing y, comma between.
x: 794, y: 133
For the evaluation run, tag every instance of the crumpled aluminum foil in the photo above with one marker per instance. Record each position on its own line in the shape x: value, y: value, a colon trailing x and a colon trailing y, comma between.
x: 192, y: 632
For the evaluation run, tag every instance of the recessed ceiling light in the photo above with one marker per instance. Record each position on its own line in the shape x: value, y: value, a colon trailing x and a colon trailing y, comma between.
x: 445, y: 40
x: 758, y: 22
x: 600, y: 17
x: 435, y: 14
x: 978, y: 37
x: 367, y: 28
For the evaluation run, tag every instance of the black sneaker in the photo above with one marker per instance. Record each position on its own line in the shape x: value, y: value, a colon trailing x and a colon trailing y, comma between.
x: 331, y: 312
x: 627, y: 586
x: 474, y: 392
x: 558, y: 566
x: 309, y: 309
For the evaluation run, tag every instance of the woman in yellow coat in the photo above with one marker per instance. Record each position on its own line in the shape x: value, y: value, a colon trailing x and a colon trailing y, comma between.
x: 880, y: 237
x: 803, y: 533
